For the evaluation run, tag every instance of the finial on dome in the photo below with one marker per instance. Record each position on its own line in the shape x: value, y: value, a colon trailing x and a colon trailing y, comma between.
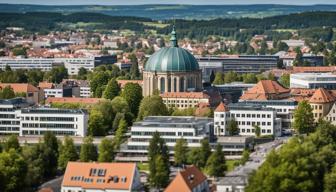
x: 173, y: 38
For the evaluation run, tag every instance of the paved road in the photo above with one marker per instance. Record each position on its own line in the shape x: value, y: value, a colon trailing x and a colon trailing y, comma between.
x: 257, y: 158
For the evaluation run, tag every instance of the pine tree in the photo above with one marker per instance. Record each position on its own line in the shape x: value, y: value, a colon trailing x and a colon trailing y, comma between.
x: 135, y: 74
x: 88, y: 151
x: 205, y: 152
x: 120, y: 133
x: 303, y: 118
x: 50, y: 153
x: 180, y: 152
x: 67, y: 153
x: 215, y: 165
x: 232, y: 127
x: 106, y: 151
x: 219, y: 79
x: 157, y: 147
x: 111, y: 90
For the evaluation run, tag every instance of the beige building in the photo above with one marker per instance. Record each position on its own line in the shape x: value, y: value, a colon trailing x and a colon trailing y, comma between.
x: 321, y: 103
x: 183, y: 100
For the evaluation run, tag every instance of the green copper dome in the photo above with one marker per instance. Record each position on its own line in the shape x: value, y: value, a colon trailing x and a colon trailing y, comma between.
x: 172, y: 59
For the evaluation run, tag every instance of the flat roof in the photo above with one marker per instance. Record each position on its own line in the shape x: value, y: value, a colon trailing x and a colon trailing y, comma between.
x: 45, y: 110
x: 187, y: 121
x: 233, y: 180
x: 14, y: 101
x: 233, y: 139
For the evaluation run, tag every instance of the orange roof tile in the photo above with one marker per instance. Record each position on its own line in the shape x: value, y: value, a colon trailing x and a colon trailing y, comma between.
x: 221, y: 108
x: 77, y: 172
x: 186, y: 180
x: 72, y: 100
x: 45, y: 85
x: 20, y: 87
x: 322, y: 96
x: 263, y: 90
x: 196, y: 95
x: 122, y: 83
x: 314, y: 69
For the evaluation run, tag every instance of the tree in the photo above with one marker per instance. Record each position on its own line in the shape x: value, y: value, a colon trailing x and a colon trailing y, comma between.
x: 57, y: 74
x: 50, y: 154
x: 120, y: 133
x: 33, y: 156
x: 329, y: 180
x: 119, y: 104
x: 250, y: 78
x: 88, y: 151
x: 11, y: 142
x: 180, y: 152
x: 281, y: 46
x: 67, y: 152
x: 245, y: 157
x: 97, y: 81
x: 298, y: 61
x: 257, y: 130
x: 111, y: 90
x: 12, y: 171
x: 7, y: 93
x: 285, y: 80
x: 195, y: 158
x: 158, y: 157
x: 132, y: 93
x: 303, y: 118
x: 205, y: 152
x: 106, y: 150
x: 135, y: 74
x: 212, y: 76
x: 216, y: 165
x: 152, y: 105
x: 95, y: 127
x: 161, y: 178
x: 219, y: 79
x: 231, y: 76
x: 82, y: 73
x: 232, y: 127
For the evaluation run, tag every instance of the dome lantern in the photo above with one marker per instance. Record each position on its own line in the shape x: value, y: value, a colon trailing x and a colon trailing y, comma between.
x: 173, y: 38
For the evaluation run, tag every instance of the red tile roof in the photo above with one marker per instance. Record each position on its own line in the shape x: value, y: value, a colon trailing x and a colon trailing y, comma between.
x: 78, y: 172
x: 186, y: 180
x: 222, y: 108
x: 45, y: 85
x: 314, y: 69
x: 122, y: 83
x: 20, y: 87
x: 72, y: 100
x: 264, y: 90
x: 195, y: 95
x: 322, y: 96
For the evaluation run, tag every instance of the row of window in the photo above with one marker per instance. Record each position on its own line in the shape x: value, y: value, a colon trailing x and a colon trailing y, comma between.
x: 35, y: 132
x: 246, y: 115
x: 46, y: 125
x: 147, y: 133
x: 69, y: 119
x: 248, y: 123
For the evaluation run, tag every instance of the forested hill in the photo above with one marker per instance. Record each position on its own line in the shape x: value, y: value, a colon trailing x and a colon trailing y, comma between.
x: 316, y: 25
x: 164, y: 12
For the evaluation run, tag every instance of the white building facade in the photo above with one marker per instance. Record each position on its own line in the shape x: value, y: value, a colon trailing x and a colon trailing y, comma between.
x: 313, y: 80
x: 192, y: 129
x: 247, y: 117
x: 37, y: 121
x: 9, y: 120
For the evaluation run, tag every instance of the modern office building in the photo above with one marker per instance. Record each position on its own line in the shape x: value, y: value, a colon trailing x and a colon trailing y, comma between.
x: 284, y: 109
x: 313, y: 80
x: 37, y: 121
x: 46, y: 64
x: 193, y: 129
x: 59, y: 90
x: 16, y: 117
x: 9, y: 120
x: 231, y: 92
x: 209, y: 65
x: 102, y: 177
x: 234, y: 145
x: 247, y: 116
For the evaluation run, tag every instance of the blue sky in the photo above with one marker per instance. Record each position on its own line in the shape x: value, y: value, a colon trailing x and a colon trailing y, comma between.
x: 133, y: 2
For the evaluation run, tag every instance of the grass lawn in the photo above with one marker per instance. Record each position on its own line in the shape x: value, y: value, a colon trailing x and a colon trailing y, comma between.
x: 231, y: 164
x: 143, y: 166
x: 155, y: 24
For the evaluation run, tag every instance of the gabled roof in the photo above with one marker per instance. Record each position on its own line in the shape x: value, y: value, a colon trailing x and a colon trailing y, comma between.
x: 222, y: 108
x: 99, y: 176
x: 20, y: 87
x: 186, y: 180
x: 263, y: 89
x: 45, y: 85
x: 321, y: 96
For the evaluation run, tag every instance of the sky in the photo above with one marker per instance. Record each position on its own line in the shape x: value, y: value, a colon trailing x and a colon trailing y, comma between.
x: 137, y: 2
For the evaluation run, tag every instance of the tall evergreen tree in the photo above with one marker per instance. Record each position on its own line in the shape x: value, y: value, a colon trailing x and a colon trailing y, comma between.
x: 180, y: 152
x: 50, y: 154
x: 67, y: 153
x: 303, y: 118
x: 216, y: 165
x: 158, y: 166
x: 132, y: 93
x: 106, y: 150
x: 120, y: 133
x: 135, y: 74
x: 205, y: 152
x: 232, y: 127
x: 219, y: 79
x: 88, y: 151
x: 111, y: 90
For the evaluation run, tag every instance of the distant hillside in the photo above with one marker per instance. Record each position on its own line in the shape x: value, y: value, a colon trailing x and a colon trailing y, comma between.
x: 164, y: 12
x: 312, y: 25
